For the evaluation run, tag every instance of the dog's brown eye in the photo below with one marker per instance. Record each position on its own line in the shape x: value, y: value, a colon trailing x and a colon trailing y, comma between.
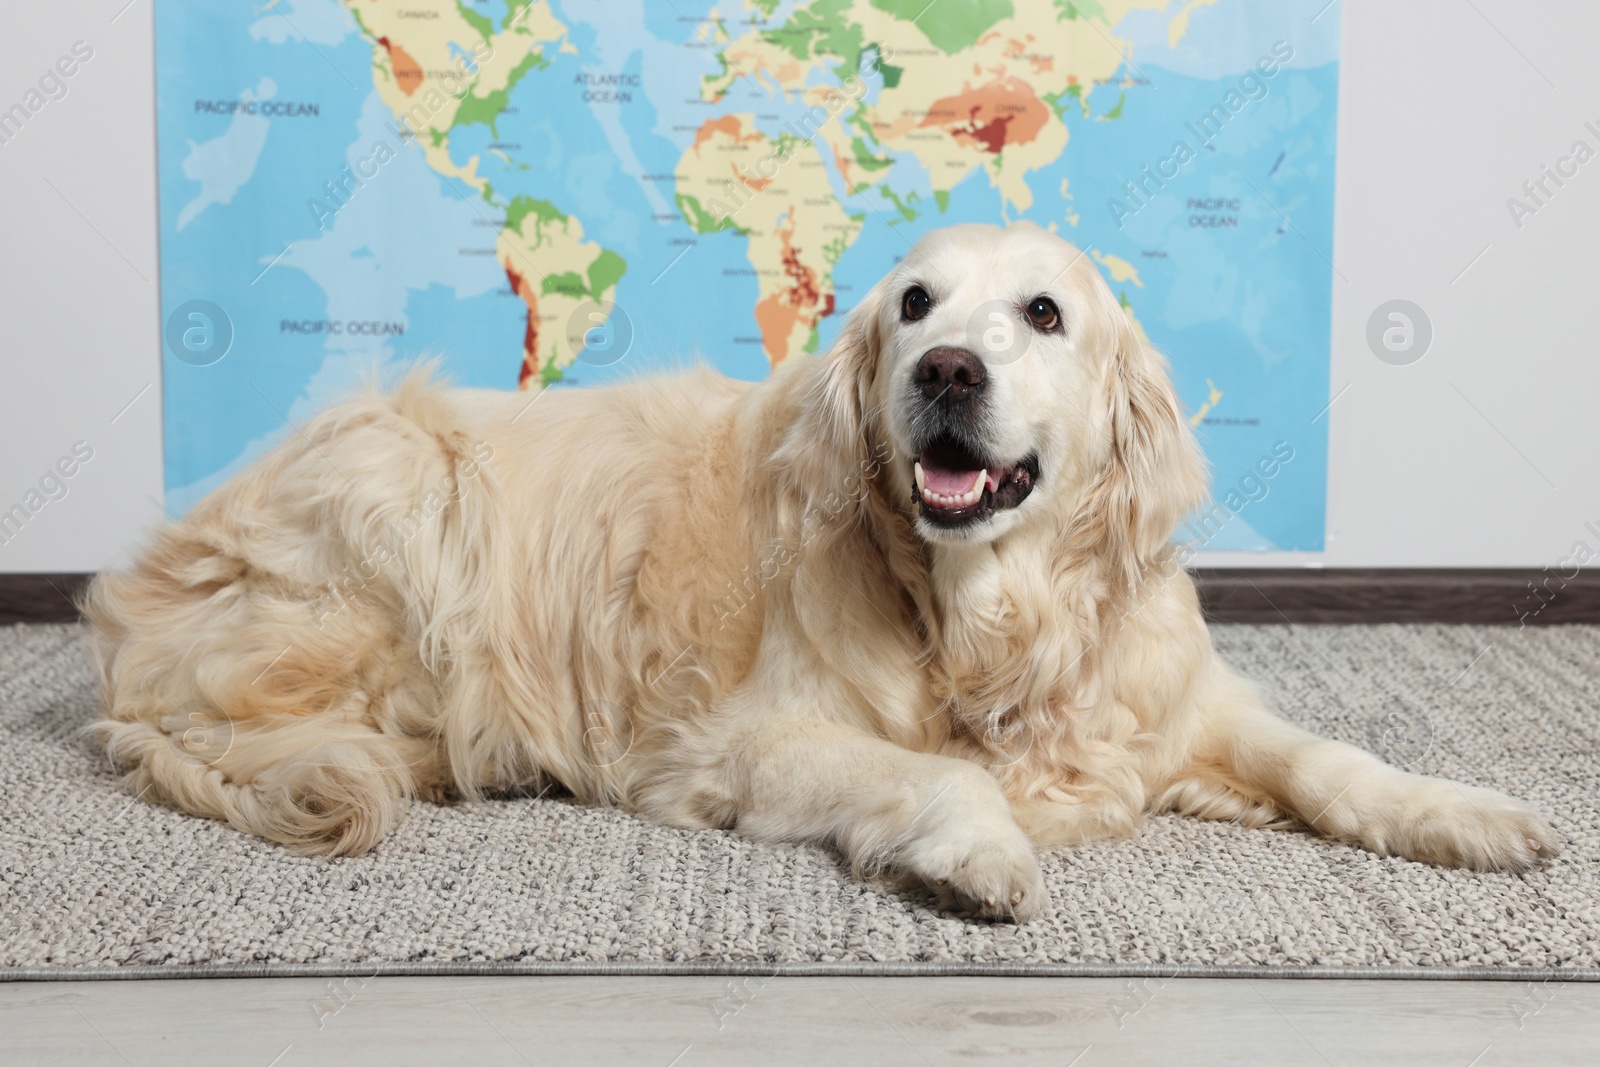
x: 1044, y: 315
x: 916, y: 303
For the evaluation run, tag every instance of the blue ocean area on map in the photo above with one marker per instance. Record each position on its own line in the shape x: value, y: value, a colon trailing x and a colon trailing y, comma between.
x: 1220, y: 251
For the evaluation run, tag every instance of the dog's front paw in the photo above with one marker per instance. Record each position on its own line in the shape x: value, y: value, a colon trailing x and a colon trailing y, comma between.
x: 985, y: 869
x: 1464, y: 826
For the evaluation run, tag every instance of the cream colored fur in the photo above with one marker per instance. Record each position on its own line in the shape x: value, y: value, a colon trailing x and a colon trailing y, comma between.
x: 712, y: 603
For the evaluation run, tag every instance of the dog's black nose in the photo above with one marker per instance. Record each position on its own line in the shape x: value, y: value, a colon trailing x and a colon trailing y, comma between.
x: 953, y: 373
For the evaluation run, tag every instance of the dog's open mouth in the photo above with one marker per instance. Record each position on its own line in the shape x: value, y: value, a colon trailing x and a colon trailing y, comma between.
x: 954, y: 486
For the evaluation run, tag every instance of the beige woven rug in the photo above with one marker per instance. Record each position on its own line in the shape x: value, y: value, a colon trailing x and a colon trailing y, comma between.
x: 96, y: 884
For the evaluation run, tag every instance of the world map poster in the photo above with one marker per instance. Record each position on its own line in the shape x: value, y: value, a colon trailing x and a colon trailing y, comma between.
x: 559, y: 194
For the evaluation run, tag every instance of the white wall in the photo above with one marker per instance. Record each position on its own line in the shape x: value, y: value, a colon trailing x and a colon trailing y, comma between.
x: 1481, y: 454
x: 79, y: 321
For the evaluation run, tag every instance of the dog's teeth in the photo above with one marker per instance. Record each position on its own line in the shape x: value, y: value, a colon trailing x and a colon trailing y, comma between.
x: 921, y: 478
x: 971, y: 495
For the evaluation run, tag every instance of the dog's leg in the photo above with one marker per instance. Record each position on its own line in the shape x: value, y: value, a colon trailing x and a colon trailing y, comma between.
x: 941, y: 819
x: 1251, y: 765
x: 1059, y: 823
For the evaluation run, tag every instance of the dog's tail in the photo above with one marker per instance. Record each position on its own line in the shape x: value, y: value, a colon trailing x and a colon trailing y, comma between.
x: 319, y: 787
x: 205, y: 710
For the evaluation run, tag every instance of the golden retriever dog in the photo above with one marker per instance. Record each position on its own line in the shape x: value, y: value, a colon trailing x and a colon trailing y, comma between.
x: 916, y: 597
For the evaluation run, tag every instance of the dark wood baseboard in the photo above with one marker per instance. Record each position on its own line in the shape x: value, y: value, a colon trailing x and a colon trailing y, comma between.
x: 1493, y: 597
x: 1503, y: 597
x: 40, y: 597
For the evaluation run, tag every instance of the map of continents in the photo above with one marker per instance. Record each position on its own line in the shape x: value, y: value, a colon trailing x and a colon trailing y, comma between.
x: 556, y: 194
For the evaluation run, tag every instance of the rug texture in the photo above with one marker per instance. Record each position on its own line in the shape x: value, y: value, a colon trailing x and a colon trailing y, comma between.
x: 96, y: 883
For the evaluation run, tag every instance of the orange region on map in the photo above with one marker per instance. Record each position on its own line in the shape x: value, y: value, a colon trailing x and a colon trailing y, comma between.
x: 407, y: 71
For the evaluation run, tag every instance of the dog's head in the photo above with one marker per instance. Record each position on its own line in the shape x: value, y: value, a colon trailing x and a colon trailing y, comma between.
x: 1003, y: 375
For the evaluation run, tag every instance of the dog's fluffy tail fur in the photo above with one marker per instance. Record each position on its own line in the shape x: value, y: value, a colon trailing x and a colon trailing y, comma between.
x: 278, y: 658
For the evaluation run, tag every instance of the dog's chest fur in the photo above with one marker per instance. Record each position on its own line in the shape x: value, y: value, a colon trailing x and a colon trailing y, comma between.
x: 1010, y: 650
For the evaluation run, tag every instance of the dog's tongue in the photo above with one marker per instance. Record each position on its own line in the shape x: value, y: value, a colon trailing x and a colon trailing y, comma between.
x: 952, y: 482
x: 949, y: 482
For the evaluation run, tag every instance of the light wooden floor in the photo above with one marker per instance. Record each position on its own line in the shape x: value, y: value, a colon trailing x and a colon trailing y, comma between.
x: 685, y: 1022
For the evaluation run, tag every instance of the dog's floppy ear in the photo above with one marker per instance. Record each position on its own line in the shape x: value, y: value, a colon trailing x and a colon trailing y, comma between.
x: 832, y: 426
x: 1154, y: 476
